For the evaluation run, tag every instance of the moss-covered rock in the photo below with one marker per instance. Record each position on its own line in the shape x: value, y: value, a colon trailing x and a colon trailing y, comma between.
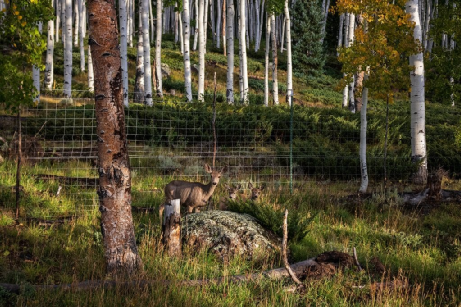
x: 228, y: 234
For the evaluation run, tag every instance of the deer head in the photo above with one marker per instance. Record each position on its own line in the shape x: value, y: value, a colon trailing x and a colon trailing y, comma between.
x: 255, y: 191
x: 233, y: 191
x: 215, y: 175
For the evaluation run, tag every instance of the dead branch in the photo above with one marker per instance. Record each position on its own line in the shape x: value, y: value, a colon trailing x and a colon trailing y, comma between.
x: 284, y: 250
x: 356, y: 260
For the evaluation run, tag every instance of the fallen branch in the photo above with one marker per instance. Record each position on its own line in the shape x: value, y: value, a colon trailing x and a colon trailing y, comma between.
x: 356, y: 260
x: 274, y: 274
x: 284, y: 250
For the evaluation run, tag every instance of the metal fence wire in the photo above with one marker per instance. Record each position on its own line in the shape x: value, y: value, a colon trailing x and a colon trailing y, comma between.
x: 173, y: 140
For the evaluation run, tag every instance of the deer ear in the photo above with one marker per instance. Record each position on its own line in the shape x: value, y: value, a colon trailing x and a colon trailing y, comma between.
x: 208, y: 168
x: 250, y: 186
x: 239, y: 187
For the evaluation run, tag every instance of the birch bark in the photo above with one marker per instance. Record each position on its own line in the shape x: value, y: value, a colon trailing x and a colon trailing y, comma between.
x: 68, y: 50
x: 266, y: 61
x: 80, y: 33
x: 158, y: 49
x: 418, y: 109
x: 289, y: 96
x: 147, y: 62
x: 186, y: 54
x: 139, y: 81
x: 275, y: 85
x: 243, y: 34
x: 48, y: 74
x: 230, y: 51
x: 201, y: 52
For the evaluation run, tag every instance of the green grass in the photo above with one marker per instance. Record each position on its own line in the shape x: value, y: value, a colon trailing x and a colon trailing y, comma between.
x: 422, y: 249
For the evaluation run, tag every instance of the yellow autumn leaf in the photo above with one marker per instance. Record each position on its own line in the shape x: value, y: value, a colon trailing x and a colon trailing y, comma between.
x: 19, y: 17
x: 4, y: 10
x: 34, y: 1
x: 16, y: 13
x: 23, y: 23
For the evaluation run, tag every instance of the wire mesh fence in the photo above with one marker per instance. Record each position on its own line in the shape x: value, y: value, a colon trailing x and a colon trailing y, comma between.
x: 173, y: 140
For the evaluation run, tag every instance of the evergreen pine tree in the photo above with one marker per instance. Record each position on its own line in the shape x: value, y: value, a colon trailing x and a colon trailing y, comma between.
x: 308, y: 58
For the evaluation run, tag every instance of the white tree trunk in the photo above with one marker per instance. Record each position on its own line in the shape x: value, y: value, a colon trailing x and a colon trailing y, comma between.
x: 282, y: 41
x: 418, y: 111
x: 158, y: 49
x: 36, y: 71
x: 340, y: 32
x: 201, y: 52
x: 181, y: 33
x: 205, y: 22
x: 196, y: 36
x: 146, y: 44
x: 218, y: 23
x: 123, y: 48
x: 256, y: 25
x: 186, y: 54
x: 266, y: 61
x: 213, y: 21
x: 139, y: 81
x: 151, y: 23
x: 58, y: 18
x: 261, y: 15
x: 289, y: 60
x: 230, y: 51
x: 223, y: 27
x: 275, y: 84
x: 63, y: 22
x: 68, y: 50
x: 76, y: 22
x: 243, y: 34
x: 363, y: 141
x: 325, y: 7
x: 80, y: 33
x: 90, y: 71
x: 48, y: 74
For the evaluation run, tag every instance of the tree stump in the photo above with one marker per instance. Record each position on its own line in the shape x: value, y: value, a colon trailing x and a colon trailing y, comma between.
x: 171, y: 228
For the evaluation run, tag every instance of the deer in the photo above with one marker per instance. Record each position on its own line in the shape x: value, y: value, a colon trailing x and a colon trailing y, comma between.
x: 233, y: 194
x: 192, y: 195
x: 255, y: 191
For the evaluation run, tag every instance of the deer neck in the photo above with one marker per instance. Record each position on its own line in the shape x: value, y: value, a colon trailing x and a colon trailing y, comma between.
x: 209, y: 189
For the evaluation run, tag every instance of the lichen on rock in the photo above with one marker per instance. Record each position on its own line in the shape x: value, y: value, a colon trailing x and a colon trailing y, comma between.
x: 227, y: 234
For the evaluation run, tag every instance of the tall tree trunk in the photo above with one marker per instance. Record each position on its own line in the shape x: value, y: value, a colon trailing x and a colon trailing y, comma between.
x: 201, y: 52
x: 266, y: 61
x: 150, y: 18
x: 275, y: 84
x: 80, y: 33
x: 76, y: 22
x: 418, y: 110
x: 243, y: 34
x: 205, y: 22
x: 256, y: 25
x: 181, y: 33
x: 48, y: 74
x: 219, y: 11
x: 90, y: 71
x: 58, y: 18
x: 196, y: 36
x: 223, y: 28
x: 213, y: 21
x: 158, y: 49
x: 282, y: 41
x: 340, y: 32
x: 326, y: 8
x: 363, y: 142
x: 146, y: 44
x: 230, y: 51
x: 68, y: 51
x: 63, y: 22
x: 351, y: 31
x: 36, y: 72
x: 186, y: 54
x: 123, y: 48
x: 139, y: 81
x: 289, y: 96
x: 114, y: 191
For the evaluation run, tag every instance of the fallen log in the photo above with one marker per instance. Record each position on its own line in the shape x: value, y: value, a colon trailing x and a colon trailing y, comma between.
x: 275, y: 274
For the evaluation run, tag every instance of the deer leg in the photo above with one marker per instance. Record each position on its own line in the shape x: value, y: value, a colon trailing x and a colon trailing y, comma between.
x: 189, y: 209
x: 197, y: 209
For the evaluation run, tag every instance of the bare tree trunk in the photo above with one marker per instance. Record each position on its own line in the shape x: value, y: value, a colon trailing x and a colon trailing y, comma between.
x: 76, y: 22
x: 363, y: 142
x: 171, y: 228
x: 326, y: 7
x: 201, y: 52
x: 158, y: 49
x: 36, y: 72
x: 418, y: 108
x: 146, y: 44
x: 275, y: 84
x: 123, y: 48
x: 266, y: 61
x: 139, y: 81
x: 219, y: 11
x: 340, y: 34
x: 230, y: 51
x: 151, y: 22
x: 244, y: 67
x: 90, y: 71
x: 289, y: 96
x: 48, y: 74
x: 63, y: 22
x: 68, y: 50
x: 80, y: 33
x: 223, y: 28
x: 120, y: 250
x: 186, y: 54
x: 196, y: 2
x: 58, y: 18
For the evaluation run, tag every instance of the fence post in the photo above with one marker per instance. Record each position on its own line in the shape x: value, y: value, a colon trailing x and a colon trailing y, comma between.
x: 171, y: 228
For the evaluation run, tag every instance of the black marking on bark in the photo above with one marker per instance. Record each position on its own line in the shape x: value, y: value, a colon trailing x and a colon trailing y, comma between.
x: 100, y: 139
x: 102, y: 193
x: 102, y: 208
x: 91, y: 41
x: 106, y: 54
x: 99, y: 97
